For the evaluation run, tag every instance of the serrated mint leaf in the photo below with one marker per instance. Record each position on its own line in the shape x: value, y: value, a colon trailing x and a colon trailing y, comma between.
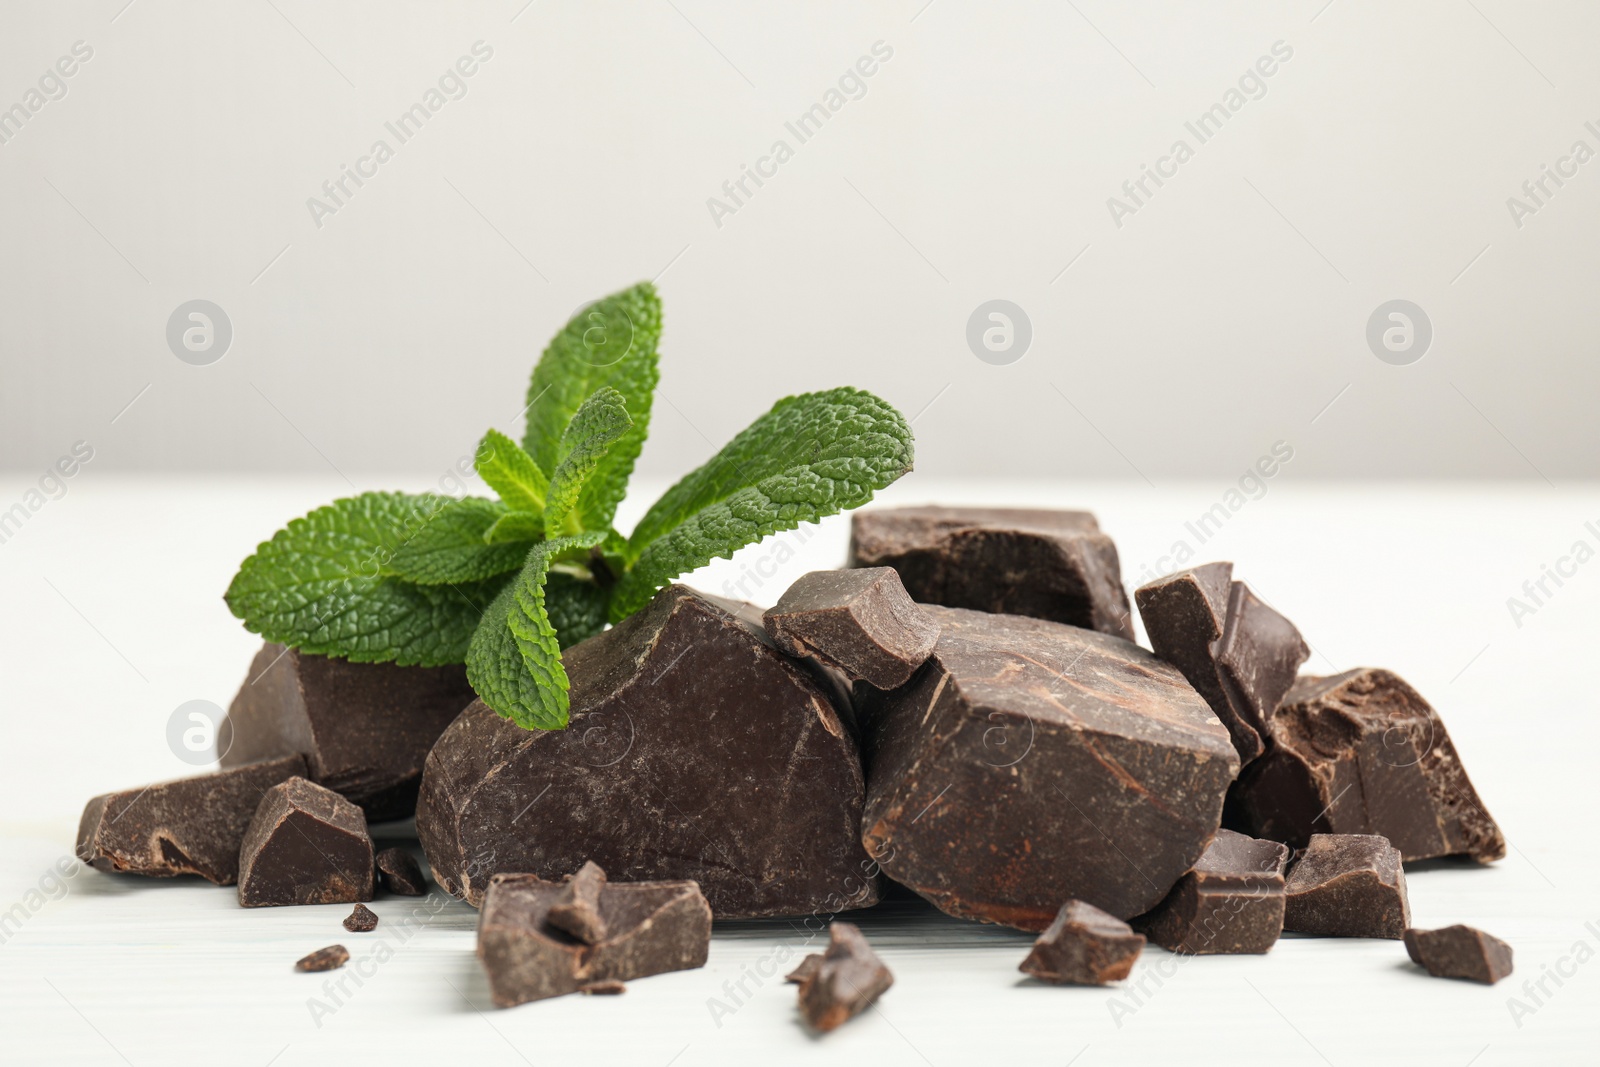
x: 452, y: 547
x: 516, y: 526
x: 318, y: 585
x: 511, y: 472
x: 612, y: 342
x: 514, y: 660
x: 596, y: 426
x: 811, y: 456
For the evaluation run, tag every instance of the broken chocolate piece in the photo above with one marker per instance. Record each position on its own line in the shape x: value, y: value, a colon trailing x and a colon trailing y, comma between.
x: 1347, y: 885
x: 1232, y: 902
x: 189, y: 826
x: 1362, y: 753
x: 652, y: 927
x: 361, y: 921
x: 324, y: 959
x: 860, y: 622
x: 1053, y: 565
x: 1030, y: 763
x: 577, y: 909
x: 1084, y: 946
x: 364, y: 728
x: 399, y: 872
x: 608, y: 988
x: 696, y: 750
x: 1236, y: 651
x: 306, y: 845
x: 806, y: 968
x: 849, y: 978
x: 1460, y: 952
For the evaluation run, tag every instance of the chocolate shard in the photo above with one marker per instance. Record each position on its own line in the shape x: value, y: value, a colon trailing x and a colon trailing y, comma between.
x: 1030, y: 763
x: 577, y: 909
x: 1460, y: 952
x: 364, y: 728
x: 1347, y: 885
x: 846, y: 981
x: 305, y: 845
x: 399, y: 872
x: 1231, y: 903
x: 1084, y: 946
x: 361, y: 921
x: 860, y: 622
x: 652, y: 927
x: 805, y: 969
x: 324, y: 959
x: 188, y: 826
x: 1362, y: 753
x: 1237, y: 652
x: 1053, y: 565
x: 696, y: 750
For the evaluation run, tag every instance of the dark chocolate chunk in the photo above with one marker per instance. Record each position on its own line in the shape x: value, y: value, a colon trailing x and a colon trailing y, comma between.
x: 1030, y: 763
x: 1362, y: 753
x: 1347, y: 885
x: 1084, y: 946
x: 696, y: 750
x: 577, y: 909
x: 1460, y: 952
x: 364, y: 728
x: 651, y: 928
x: 1236, y: 651
x: 860, y: 622
x: 1232, y: 902
x: 306, y: 845
x: 1053, y: 565
x: 846, y: 981
x: 399, y: 872
x: 361, y: 921
x: 324, y: 959
x: 608, y: 988
x: 189, y: 826
x: 806, y: 968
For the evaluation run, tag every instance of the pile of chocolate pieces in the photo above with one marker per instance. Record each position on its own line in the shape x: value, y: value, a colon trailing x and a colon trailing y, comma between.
x: 962, y: 710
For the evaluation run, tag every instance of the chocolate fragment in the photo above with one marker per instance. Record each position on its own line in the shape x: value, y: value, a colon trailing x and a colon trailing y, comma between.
x: 1053, y: 565
x: 652, y: 927
x: 696, y: 750
x: 1362, y: 753
x: 1237, y: 652
x: 1084, y: 946
x: 1347, y: 885
x: 1232, y: 902
x: 806, y: 968
x: 188, y: 826
x: 609, y: 988
x: 306, y: 845
x: 399, y: 872
x: 1460, y: 952
x: 577, y: 909
x: 324, y: 959
x: 846, y: 981
x: 364, y: 728
x: 361, y: 921
x: 859, y: 622
x: 1030, y: 763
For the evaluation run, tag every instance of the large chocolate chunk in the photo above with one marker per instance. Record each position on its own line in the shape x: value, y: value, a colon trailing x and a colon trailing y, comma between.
x: 652, y: 927
x: 306, y: 845
x: 859, y: 622
x: 1084, y: 946
x: 1236, y: 651
x: 364, y: 728
x: 1460, y: 952
x: 1347, y: 885
x: 1029, y: 763
x: 846, y: 980
x: 1053, y: 565
x: 696, y: 750
x: 190, y: 826
x: 1362, y: 753
x: 1232, y: 902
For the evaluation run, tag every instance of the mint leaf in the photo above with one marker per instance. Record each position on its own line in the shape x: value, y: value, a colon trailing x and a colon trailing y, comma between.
x: 577, y: 609
x: 811, y: 456
x: 318, y: 585
x: 451, y: 546
x: 610, y: 342
x: 597, y: 425
x: 514, y: 660
x: 510, y: 472
x: 516, y: 526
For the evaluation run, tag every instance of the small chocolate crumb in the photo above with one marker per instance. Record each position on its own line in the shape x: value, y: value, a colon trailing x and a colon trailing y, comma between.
x: 846, y: 982
x: 609, y: 988
x: 1084, y: 946
x: 324, y: 959
x: 577, y: 909
x: 807, y: 968
x: 361, y: 921
x: 1460, y: 952
x: 399, y: 873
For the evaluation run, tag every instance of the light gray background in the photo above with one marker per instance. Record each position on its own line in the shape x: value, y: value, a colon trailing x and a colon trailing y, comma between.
x: 1228, y: 313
